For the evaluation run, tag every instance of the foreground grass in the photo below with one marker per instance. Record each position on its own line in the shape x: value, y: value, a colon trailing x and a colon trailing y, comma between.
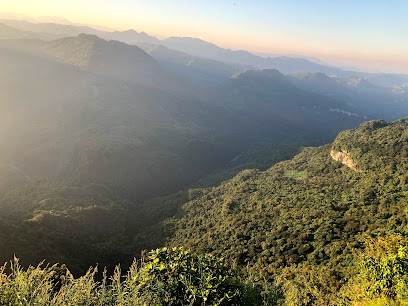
x: 167, y: 277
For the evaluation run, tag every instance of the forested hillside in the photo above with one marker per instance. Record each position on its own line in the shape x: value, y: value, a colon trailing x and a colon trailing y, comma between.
x: 78, y: 226
x: 314, y: 208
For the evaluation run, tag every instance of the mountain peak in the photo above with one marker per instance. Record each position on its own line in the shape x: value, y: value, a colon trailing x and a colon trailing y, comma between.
x: 131, y: 37
x: 85, y: 37
x: 130, y: 31
x: 266, y: 76
x: 98, y: 55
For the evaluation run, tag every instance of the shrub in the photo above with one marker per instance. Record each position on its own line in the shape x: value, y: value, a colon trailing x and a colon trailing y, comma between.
x: 177, y: 277
x: 167, y: 277
x: 382, y: 278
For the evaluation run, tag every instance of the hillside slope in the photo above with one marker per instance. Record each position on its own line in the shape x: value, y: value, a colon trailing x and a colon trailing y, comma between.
x: 83, y: 116
x: 378, y: 102
x: 314, y: 208
x: 77, y: 127
x: 205, y: 70
x: 265, y: 100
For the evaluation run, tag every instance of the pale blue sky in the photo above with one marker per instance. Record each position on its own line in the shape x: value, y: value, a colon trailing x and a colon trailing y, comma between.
x: 369, y: 32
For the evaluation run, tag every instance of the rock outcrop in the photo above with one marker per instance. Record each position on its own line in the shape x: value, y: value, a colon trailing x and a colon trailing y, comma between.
x: 344, y: 158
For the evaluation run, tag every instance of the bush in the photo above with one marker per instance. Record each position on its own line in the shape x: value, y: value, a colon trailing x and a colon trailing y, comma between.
x: 177, y: 277
x: 167, y: 277
x: 382, y: 278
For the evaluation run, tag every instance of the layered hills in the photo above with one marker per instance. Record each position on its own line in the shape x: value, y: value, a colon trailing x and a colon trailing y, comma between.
x: 267, y: 99
x: 192, y: 46
x: 285, y: 64
x: 90, y: 108
x: 202, y: 49
x: 112, y: 59
x: 198, y: 48
x: 204, y: 69
x: 374, y: 100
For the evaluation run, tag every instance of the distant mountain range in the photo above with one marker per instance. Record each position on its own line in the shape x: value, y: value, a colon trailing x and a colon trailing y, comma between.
x: 130, y: 36
x: 310, y: 58
x: 201, y: 49
x: 207, y: 70
x: 90, y: 108
x: 191, y: 46
x: 376, y: 101
x: 268, y: 100
x: 284, y: 64
x: 177, y: 67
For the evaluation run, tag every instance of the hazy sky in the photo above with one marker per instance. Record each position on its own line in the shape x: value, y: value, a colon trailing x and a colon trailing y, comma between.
x: 353, y: 32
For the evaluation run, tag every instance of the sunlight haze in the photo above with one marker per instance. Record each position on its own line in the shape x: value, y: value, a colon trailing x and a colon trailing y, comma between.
x: 372, y: 31
x: 204, y: 152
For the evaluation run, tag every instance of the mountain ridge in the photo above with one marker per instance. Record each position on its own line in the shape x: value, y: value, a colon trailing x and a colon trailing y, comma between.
x: 295, y: 65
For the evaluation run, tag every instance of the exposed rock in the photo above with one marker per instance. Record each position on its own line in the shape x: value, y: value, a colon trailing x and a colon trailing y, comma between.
x: 344, y: 158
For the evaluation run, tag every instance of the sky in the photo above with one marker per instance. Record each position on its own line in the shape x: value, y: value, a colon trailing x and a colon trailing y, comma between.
x: 364, y: 33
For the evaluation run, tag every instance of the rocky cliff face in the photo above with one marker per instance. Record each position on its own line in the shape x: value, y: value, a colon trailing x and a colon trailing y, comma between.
x: 344, y: 158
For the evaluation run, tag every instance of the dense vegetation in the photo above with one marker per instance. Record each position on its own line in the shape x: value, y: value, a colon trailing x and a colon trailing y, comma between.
x: 78, y: 226
x: 311, y: 209
x: 81, y: 226
x: 167, y: 277
x: 178, y: 277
